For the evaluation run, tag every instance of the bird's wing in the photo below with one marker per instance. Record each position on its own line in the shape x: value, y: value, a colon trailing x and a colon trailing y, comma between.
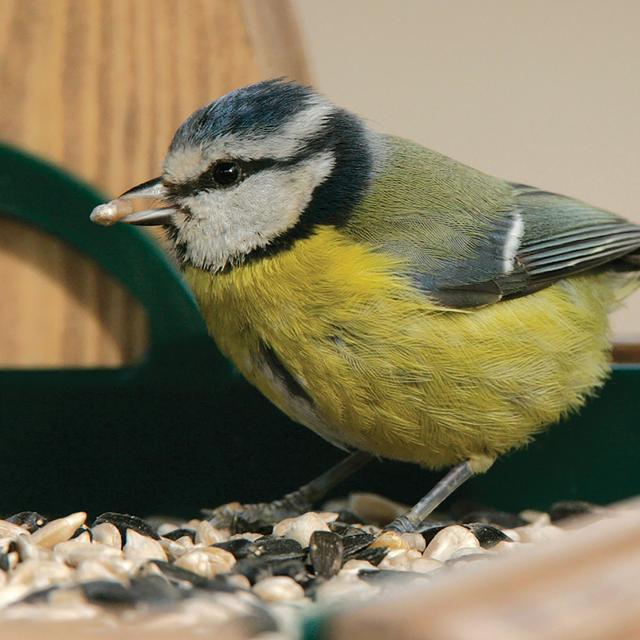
x: 564, y: 236
x: 469, y: 239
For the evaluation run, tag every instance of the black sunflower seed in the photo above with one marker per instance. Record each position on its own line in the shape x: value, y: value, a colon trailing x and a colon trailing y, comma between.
x: 107, y: 592
x: 274, y: 546
x: 240, y: 524
x: 380, y: 576
x: 496, y: 518
x: 154, y: 589
x: 348, y: 517
x: 355, y: 542
x: 30, y: 520
x: 240, y: 547
x: 220, y: 583
x: 5, y: 561
x: 569, y: 509
x: 469, y: 557
x: 256, y: 568
x: 125, y: 521
x: 178, y: 574
x: 345, y: 529
x: 80, y: 530
x: 180, y: 533
x: 374, y: 555
x: 487, y: 535
x: 429, y: 529
x: 40, y: 596
x: 326, y: 552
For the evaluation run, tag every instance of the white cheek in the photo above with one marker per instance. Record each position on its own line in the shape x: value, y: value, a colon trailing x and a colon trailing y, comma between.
x: 228, y: 223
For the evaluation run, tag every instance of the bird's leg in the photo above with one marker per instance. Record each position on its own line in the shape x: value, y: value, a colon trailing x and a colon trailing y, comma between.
x: 459, y: 474
x: 268, y: 513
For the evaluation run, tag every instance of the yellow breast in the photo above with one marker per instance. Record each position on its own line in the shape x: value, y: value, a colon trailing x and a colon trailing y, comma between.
x: 331, y: 335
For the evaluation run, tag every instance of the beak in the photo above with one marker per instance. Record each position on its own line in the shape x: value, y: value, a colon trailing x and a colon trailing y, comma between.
x: 142, y: 205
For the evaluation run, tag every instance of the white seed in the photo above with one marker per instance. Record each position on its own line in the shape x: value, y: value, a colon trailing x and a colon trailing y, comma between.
x: 391, y: 540
x: 107, y: 533
x: 29, y: 551
x: 167, y: 527
x: 414, y: 541
x: 238, y: 580
x: 10, y: 530
x: 174, y: 548
x: 535, y: 517
x: 39, y: 574
x: 246, y: 536
x: 504, y: 545
x: 539, y: 533
x: 278, y: 589
x: 399, y: 559
x: 328, y: 516
x: 300, y: 528
x: 467, y: 551
x: 353, y: 567
x: 448, y: 540
x: 186, y: 542
x: 12, y: 593
x: 85, y: 536
x: 139, y: 547
x: 206, y: 561
x: 340, y: 589
x: 513, y: 534
x: 58, y: 530
x: 66, y: 598
x: 424, y: 565
x: 74, y: 552
x: 207, y: 534
x: 120, y: 567
x: 90, y: 570
x: 196, y: 561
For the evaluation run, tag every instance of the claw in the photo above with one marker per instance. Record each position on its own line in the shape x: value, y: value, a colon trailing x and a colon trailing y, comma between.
x: 401, y: 524
x: 241, y: 518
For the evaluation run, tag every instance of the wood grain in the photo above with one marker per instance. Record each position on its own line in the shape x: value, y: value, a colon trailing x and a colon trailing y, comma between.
x: 99, y: 87
x: 276, y: 38
x: 59, y: 307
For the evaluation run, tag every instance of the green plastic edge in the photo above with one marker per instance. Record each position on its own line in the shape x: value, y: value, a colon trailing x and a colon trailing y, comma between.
x: 41, y: 194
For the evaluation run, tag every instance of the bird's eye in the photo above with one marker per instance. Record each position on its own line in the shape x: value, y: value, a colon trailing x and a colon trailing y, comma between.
x: 226, y: 173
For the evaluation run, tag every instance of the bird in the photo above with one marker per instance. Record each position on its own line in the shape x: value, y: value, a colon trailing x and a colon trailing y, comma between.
x: 397, y: 302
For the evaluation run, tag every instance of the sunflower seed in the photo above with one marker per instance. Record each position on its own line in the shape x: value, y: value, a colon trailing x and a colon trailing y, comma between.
x: 30, y: 520
x: 125, y: 521
x: 58, y: 530
x: 326, y: 552
x: 488, y: 536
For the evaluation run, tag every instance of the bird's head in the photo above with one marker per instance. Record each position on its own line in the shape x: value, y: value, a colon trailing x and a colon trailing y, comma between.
x: 252, y: 172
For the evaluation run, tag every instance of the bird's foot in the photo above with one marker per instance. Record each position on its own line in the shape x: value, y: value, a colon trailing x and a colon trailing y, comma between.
x: 402, y: 524
x: 254, y: 517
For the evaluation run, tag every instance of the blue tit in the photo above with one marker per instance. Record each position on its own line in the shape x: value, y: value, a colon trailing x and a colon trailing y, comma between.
x: 395, y: 301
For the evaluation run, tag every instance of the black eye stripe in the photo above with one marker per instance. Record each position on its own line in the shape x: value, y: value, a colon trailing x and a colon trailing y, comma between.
x: 323, y: 141
x: 205, y: 181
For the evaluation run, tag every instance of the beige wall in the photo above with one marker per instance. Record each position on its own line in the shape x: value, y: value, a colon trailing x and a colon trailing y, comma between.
x: 545, y: 92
